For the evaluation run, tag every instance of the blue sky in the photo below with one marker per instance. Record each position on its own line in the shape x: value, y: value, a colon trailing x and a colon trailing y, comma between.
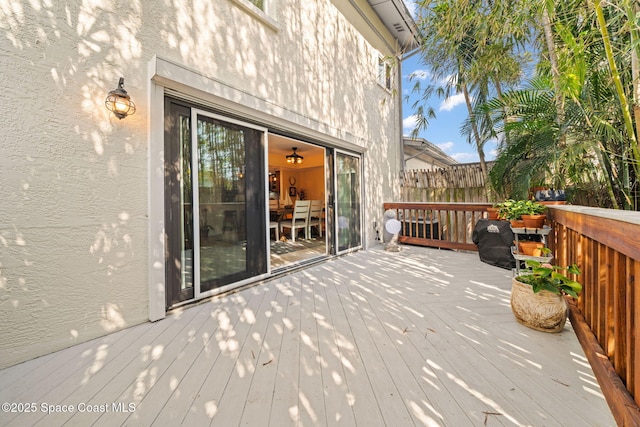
x: 444, y: 130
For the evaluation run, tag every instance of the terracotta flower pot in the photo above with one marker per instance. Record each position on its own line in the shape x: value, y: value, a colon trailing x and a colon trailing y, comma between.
x: 493, y: 213
x: 534, y: 221
x: 543, y: 311
x: 530, y: 248
x: 517, y: 223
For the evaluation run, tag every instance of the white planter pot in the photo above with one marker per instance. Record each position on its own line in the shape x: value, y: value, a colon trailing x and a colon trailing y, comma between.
x: 543, y: 311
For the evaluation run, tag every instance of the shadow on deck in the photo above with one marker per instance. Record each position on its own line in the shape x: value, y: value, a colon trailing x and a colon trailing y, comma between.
x: 418, y: 337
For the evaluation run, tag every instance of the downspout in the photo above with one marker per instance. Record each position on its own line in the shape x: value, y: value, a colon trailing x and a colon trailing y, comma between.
x: 401, y: 132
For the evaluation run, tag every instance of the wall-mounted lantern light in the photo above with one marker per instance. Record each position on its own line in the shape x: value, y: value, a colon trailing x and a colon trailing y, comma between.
x: 294, y: 158
x: 119, y: 102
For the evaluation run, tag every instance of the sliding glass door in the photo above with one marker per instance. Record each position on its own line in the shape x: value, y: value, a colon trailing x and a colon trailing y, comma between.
x: 216, y: 211
x: 348, y: 201
x: 215, y: 201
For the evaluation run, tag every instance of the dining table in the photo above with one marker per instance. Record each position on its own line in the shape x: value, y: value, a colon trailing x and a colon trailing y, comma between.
x: 277, y: 214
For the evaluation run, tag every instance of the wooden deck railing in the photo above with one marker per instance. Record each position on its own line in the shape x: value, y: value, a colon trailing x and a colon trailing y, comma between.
x: 606, y: 246
x: 440, y: 225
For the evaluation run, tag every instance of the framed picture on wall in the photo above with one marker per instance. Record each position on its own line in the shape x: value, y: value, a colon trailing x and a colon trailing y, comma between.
x: 292, y: 191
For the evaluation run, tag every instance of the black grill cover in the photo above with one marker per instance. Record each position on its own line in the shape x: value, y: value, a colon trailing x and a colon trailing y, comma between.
x: 494, y: 239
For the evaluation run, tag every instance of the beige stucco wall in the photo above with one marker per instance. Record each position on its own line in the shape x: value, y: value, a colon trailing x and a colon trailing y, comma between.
x: 74, y: 179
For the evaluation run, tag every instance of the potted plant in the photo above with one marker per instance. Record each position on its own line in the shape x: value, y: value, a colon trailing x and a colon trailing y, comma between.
x: 531, y: 248
x: 512, y: 210
x: 533, y: 214
x: 493, y: 212
x: 521, y: 211
x: 538, y: 296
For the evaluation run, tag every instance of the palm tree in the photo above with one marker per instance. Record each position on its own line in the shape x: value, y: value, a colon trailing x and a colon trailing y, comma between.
x: 471, y: 46
x: 533, y: 153
x: 574, y: 124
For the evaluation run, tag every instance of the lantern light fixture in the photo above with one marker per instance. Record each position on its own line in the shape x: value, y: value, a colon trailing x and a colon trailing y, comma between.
x: 294, y: 158
x: 119, y: 102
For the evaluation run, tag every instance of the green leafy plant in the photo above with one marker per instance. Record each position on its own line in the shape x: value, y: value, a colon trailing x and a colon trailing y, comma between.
x: 514, y: 209
x: 531, y: 207
x: 511, y: 209
x: 549, y: 278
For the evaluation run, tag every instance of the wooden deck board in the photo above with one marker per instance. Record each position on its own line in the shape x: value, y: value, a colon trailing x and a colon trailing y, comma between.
x: 388, y: 399
x: 284, y: 405
x: 361, y: 396
x: 405, y: 326
x: 131, y: 384
x: 337, y: 398
x: 169, y: 382
x: 234, y: 330
x: 257, y: 406
x: 249, y: 360
x: 310, y: 408
x: 419, y: 337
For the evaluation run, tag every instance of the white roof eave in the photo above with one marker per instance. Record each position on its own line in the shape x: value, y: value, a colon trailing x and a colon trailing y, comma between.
x: 395, y: 16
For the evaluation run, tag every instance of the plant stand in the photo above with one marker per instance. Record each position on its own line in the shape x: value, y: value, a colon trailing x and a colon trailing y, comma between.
x: 520, y: 258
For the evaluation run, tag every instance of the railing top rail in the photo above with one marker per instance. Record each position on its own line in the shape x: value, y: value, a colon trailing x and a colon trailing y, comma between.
x: 616, y: 229
x: 632, y: 217
x: 453, y: 206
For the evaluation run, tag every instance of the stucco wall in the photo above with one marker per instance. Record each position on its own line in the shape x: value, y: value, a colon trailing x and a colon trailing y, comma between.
x: 74, y: 181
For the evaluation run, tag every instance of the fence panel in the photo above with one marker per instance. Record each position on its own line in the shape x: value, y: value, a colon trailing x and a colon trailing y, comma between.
x: 459, y: 183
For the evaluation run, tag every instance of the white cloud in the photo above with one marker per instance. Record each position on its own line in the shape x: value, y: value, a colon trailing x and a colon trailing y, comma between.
x: 450, y: 80
x: 452, y: 102
x: 466, y: 157
x: 445, y: 146
x: 419, y: 74
x: 409, y: 123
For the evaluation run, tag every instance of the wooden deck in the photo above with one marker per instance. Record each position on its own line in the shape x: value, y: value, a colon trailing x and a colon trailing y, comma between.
x: 421, y: 337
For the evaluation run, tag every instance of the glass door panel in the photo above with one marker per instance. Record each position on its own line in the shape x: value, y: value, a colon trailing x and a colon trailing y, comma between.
x: 226, y: 216
x: 214, y: 202
x: 348, y: 204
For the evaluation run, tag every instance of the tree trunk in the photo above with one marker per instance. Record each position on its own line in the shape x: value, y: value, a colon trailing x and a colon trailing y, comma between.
x: 557, y: 85
x: 476, y: 135
x: 505, y: 111
x: 555, y: 70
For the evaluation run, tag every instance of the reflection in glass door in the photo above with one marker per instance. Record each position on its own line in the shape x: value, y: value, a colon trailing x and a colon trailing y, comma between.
x: 214, y: 206
x: 348, y: 206
x: 229, y: 199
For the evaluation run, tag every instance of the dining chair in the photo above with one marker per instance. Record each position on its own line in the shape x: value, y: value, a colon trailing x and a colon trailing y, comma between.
x: 299, y: 219
x: 274, y: 225
x: 315, y: 216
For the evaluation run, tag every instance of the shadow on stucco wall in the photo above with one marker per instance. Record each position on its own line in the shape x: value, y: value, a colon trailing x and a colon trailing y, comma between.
x: 73, y: 228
